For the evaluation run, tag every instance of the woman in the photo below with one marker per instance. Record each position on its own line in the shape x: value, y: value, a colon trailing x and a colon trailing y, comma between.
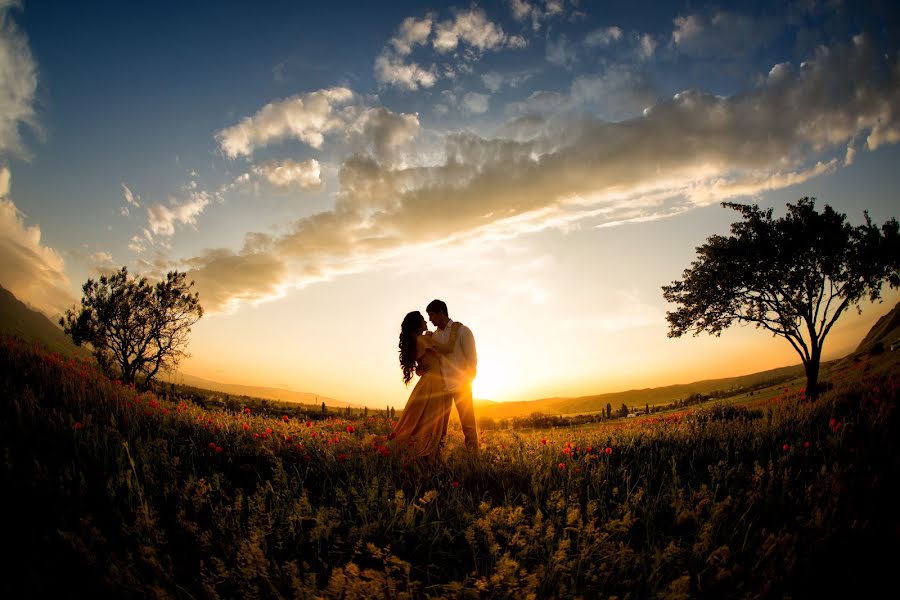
x: 423, y: 423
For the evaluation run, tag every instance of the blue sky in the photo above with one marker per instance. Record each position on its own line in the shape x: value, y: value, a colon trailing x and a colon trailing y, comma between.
x: 322, y: 169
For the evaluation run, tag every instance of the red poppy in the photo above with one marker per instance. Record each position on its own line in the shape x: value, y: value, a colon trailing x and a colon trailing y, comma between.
x: 806, y: 444
x: 245, y: 426
x: 350, y: 429
x: 247, y: 410
x: 786, y: 447
x: 218, y: 449
x: 284, y: 418
x: 309, y: 423
x: 342, y: 457
x: 455, y: 484
x: 562, y: 466
x: 212, y: 445
x: 544, y: 441
x: 269, y: 430
x: 78, y: 426
x: 608, y: 450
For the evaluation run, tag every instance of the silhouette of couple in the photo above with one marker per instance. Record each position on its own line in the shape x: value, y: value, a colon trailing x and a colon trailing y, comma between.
x: 445, y: 361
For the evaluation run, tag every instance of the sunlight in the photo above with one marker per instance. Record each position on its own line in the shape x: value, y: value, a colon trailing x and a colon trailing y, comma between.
x: 492, y: 383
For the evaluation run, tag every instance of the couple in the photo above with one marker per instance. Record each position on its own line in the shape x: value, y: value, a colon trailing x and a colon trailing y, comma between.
x: 445, y: 361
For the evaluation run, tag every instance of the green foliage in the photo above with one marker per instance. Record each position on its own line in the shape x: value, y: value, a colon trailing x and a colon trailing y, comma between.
x: 134, y: 328
x: 126, y: 494
x: 793, y: 276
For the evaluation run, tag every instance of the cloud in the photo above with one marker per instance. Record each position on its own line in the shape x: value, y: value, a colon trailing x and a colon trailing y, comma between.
x: 560, y: 52
x: 18, y: 83
x: 392, y: 70
x: 305, y: 175
x: 130, y: 197
x: 603, y: 37
x: 692, y: 149
x: 646, y: 46
x: 523, y: 10
x: 412, y: 32
x: 722, y: 34
x: 162, y: 219
x: 474, y: 103
x: 619, y: 93
x: 495, y: 81
x: 471, y: 27
x: 35, y: 273
x: 306, y: 117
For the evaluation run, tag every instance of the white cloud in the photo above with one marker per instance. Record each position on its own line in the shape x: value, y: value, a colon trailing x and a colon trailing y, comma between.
x: 412, y: 32
x: 306, y: 117
x: 617, y: 94
x: 523, y: 10
x: 18, y: 82
x: 692, y: 149
x: 472, y: 27
x: 603, y: 37
x: 722, y: 34
x: 33, y: 272
x: 494, y: 81
x: 130, y: 197
x: 646, y: 46
x: 474, y: 103
x: 409, y: 76
x: 305, y: 175
x: 162, y: 219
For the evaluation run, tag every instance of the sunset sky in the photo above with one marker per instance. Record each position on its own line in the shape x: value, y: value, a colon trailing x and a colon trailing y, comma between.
x: 542, y: 166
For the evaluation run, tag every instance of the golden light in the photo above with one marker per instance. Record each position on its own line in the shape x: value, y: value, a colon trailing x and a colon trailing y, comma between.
x: 491, y: 383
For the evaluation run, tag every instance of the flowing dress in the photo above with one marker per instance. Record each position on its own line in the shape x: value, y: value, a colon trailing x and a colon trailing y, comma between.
x: 423, y: 424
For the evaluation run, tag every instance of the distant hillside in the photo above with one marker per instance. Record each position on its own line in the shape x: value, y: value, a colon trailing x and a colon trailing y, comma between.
x: 16, y: 319
x: 886, y: 330
x: 257, y: 391
x: 634, y: 398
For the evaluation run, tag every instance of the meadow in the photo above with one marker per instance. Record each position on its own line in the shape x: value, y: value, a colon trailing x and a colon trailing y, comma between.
x: 111, y: 491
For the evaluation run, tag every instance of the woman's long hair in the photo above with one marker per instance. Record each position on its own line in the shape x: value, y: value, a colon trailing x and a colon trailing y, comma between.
x: 409, y: 331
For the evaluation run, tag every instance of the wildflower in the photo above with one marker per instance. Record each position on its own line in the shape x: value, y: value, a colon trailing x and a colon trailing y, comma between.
x: 342, y: 457
x: 245, y: 426
x: 246, y: 410
x: 544, y: 441
x: 212, y: 445
x: 384, y: 450
x: 567, y: 450
x: 455, y: 484
x: 255, y: 436
x: 79, y: 426
x: 284, y: 418
x: 309, y: 423
x: 218, y: 449
x: 268, y: 430
x: 608, y: 450
x: 786, y: 447
x: 350, y: 429
x: 806, y: 444
x: 561, y: 466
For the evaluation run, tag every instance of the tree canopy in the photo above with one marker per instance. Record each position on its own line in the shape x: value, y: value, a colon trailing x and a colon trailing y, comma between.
x: 793, y: 276
x: 135, y: 329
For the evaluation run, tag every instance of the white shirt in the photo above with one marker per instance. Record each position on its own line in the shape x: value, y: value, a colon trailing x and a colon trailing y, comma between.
x: 459, y: 366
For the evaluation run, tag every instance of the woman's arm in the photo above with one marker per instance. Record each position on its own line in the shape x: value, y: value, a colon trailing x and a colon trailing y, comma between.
x: 450, y: 344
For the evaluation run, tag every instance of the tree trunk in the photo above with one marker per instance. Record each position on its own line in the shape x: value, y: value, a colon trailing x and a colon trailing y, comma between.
x: 812, y: 374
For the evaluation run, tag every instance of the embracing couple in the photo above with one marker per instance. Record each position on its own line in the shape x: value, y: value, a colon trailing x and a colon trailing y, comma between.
x: 446, y: 361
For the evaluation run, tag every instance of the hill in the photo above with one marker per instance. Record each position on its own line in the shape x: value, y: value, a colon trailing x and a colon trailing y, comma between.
x: 636, y: 397
x: 886, y: 331
x: 253, y: 391
x: 17, y: 320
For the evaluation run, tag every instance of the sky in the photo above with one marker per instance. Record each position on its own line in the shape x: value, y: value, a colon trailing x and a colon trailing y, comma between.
x: 543, y: 166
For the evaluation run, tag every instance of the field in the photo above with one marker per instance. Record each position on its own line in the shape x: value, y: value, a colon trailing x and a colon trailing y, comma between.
x: 108, y: 491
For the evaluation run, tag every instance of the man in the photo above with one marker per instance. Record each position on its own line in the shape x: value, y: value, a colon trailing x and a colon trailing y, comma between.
x: 458, y: 368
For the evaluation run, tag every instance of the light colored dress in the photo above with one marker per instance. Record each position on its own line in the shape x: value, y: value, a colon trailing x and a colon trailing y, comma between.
x: 421, y: 427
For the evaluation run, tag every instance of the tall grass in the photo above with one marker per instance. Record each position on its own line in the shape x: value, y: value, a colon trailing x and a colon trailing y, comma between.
x: 110, y: 491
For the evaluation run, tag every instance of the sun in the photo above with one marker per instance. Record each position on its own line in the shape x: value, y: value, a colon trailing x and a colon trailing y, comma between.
x: 491, y: 383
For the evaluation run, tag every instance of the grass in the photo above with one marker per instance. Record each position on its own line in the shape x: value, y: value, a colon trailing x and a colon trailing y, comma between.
x: 107, y: 491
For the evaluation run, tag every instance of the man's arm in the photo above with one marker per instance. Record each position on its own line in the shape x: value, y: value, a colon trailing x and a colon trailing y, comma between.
x: 467, y: 342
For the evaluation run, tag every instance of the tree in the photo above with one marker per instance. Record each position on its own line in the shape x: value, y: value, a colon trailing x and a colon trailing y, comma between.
x: 134, y: 329
x: 608, y: 410
x: 793, y: 276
